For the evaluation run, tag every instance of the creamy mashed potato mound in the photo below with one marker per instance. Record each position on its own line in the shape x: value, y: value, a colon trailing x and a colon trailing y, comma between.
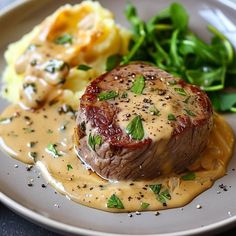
x: 96, y: 36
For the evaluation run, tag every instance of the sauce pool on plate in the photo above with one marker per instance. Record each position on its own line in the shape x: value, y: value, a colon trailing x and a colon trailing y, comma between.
x: 45, y: 138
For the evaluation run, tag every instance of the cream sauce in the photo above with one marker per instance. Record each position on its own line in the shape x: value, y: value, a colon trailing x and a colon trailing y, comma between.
x: 44, y: 137
x: 72, y: 36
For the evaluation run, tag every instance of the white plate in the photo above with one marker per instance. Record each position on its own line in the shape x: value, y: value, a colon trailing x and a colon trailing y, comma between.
x: 218, y: 211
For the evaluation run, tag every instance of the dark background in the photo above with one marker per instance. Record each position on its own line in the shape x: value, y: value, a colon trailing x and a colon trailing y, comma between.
x: 14, y: 225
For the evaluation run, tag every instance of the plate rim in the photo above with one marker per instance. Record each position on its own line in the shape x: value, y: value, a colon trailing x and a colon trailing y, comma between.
x: 66, y: 228
x: 58, y: 226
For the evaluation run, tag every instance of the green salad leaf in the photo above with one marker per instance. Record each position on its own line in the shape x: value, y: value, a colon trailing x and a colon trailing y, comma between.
x: 167, y: 42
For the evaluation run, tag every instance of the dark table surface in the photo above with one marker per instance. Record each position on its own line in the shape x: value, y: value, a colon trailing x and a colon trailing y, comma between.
x: 12, y: 224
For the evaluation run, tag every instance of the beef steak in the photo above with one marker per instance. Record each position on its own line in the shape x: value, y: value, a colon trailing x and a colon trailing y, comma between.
x: 139, y: 122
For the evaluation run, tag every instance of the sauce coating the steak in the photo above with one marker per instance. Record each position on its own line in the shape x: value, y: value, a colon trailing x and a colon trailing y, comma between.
x: 139, y: 122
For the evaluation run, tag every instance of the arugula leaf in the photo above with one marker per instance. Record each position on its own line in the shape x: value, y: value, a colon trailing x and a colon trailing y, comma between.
x: 138, y: 85
x: 225, y: 48
x: 189, y: 176
x: 131, y: 15
x: 84, y: 67
x: 167, y: 42
x: 113, y: 61
x: 210, y: 80
x: 64, y: 39
x: 224, y: 101
x: 135, y: 128
x: 138, y: 27
x: 94, y: 140
x: 107, y: 95
x: 115, y: 202
x: 177, y: 61
x: 144, y: 205
x: 179, y: 16
x: 52, y: 149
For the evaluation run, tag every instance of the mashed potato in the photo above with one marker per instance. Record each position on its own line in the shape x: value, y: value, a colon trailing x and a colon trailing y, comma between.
x: 96, y: 37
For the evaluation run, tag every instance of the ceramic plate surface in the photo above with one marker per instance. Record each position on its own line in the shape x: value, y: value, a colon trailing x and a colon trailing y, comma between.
x: 218, y: 211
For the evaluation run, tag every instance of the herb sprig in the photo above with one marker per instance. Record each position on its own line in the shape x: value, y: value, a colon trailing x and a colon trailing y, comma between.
x: 94, y: 140
x: 115, y: 202
x: 162, y: 196
x: 52, y: 148
x: 135, y: 128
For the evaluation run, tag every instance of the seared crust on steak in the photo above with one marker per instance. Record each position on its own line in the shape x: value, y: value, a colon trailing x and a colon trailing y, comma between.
x: 177, y: 119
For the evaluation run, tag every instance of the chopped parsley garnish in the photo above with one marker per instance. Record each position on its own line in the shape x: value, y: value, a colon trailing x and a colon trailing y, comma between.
x: 113, y: 61
x: 28, y: 130
x: 154, y: 111
x: 107, y: 95
x: 172, y: 82
x: 124, y: 95
x: 180, y: 91
x: 69, y: 167
x: 171, y: 117
x: 135, y: 128
x: 190, y: 113
x: 49, y: 131
x: 156, y: 188
x: 187, y: 99
x: 33, y: 62
x: 64, y: 39
x: 115, y: 202
x: 84, y: 67
x: 94, y: 140
x: 65, y: 108
x: 144, y: 205
x: 161, y: 196
x: 138, y: 85
x: 189, y: 176
x: 52, y: 149
x: 55, y: 65
x: 6, y: 120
